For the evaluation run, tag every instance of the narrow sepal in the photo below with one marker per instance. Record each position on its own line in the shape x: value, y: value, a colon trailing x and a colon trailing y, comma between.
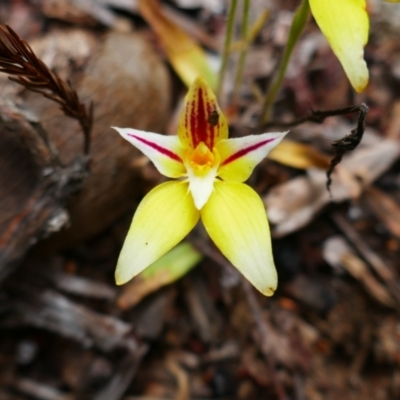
x: 201, y: 119
x: 164, y: 217
x: 239, y: 156
x: 236, y: 221
x: 164, y: 151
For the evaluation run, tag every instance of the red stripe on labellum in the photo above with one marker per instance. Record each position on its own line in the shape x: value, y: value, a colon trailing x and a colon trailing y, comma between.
x: 157, y: 147
x: 245, y: 151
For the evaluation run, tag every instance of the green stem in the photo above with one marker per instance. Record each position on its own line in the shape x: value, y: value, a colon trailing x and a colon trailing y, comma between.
x: 298, y: 24
x: 227, y: 44
x: 243, y: 53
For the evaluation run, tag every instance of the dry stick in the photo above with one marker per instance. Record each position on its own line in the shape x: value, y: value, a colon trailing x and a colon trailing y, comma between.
x: 181, y: 377
x: 18, y: 59
x: 341, y: 146
x: 360, y: 359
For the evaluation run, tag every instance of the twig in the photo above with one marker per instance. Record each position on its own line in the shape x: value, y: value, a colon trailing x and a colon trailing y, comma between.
x: 341, y: 146
x: 125, y: 372
x: 181, y: 377
x: 360, y: 359
x: 18, y: 59
x: 34, y: 389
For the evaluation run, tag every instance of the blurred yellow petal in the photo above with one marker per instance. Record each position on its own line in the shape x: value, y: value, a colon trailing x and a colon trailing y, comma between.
x: 187, y: 58
x: 345, y: 24
x: 236, y: 221
x: 239, y: 156
x: 164, y: 217
x: 201, y: 119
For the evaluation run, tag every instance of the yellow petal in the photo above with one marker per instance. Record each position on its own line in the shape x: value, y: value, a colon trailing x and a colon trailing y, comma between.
x: 236, y: 221
x: 164, y: 217
x: 201, y: 119
x: 239, y: 156
x: 345, y: 25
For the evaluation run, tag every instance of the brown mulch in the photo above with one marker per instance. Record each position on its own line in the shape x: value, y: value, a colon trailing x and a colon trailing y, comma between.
x: 331, y: 331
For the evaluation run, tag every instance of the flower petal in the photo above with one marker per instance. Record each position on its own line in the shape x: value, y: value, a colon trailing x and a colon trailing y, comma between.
x: 201, y: 187
x: 164, y: 151
x: 236, y: 221
x: 239, y: 156
x: 345, y: 25
x: 201, y: 119
x: 164, y: 217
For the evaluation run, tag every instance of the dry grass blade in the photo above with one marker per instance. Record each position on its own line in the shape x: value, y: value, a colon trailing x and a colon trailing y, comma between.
x: 18, y: 59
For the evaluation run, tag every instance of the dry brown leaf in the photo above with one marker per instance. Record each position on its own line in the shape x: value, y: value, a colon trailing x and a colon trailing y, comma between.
x: 393, y: 130
x: 374, y: 260
x: 385, y: 208
x: 185, y: 55
x: 299, y: 155
x: 338, y: 253
x: 295, y: 203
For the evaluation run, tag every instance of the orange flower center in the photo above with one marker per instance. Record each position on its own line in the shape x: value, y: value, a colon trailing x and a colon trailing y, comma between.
x: 202, y: 159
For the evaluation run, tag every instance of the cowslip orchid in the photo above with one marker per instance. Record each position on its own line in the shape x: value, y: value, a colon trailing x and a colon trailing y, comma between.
x: 208, y: 170
x: 345, y: 24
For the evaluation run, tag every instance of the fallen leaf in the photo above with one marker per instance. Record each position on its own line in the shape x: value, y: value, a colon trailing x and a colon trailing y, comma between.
x: 169, y: 268
x: 385, y: 208
x: 299, y: 155
x: 293, y: 204
x: 187, y: 58
x: 338, y: 253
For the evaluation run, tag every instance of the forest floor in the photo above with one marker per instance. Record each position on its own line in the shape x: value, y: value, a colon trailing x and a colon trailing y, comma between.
x: 332, y: 329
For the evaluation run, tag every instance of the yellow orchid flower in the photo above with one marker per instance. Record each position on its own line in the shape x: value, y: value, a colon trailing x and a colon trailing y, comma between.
x: 209, y: 170
x: 345, y: 24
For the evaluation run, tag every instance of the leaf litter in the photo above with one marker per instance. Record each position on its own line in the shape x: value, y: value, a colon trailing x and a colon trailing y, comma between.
x: 332, y: 329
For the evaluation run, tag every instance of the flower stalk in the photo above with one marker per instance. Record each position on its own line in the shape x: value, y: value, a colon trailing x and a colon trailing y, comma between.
x: 299, y: 22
